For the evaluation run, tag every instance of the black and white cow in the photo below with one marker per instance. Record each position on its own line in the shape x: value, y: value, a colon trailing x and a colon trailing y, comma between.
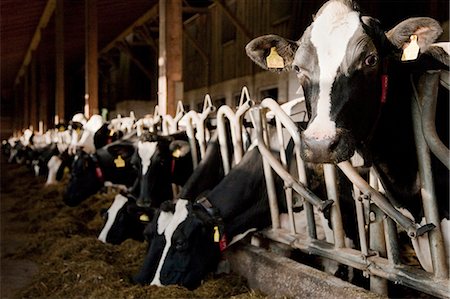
x: 358, y: 93
x: 154, y: 186
x: 110, y: 163
x: 186, y: 239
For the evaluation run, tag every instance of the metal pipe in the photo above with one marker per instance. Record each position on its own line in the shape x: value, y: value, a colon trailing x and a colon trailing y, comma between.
x: 377, y: 244
x: 411, y: 228
x: 361, y: 221
x: 429, y: 93
x: 256, y: 115
x: 429, y: 200
x: 329, y: 173
x: 390, y: 235
x: 278, y: 168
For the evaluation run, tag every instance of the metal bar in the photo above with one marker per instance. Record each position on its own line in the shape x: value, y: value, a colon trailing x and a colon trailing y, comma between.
x: 375, y: 265
x: 329, y: 172
x: 256, y: 115
x: 428, y: 102
x: 278, y: 168
x: 377, y: 244
x: 429, y: 200
x: 411, y: 228
x: 362, y: 231
x: 390, y: 235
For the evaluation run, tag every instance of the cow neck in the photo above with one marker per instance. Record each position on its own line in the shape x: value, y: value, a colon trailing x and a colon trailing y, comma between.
x: 219, y: 226
x: 98, y: 169
x: 384, y: 79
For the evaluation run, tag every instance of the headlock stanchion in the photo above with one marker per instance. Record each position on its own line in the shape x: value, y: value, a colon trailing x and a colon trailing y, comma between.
x: 198, y: 119
x: 377, y: 219
x: 169, y: 123
x: 236, y: 124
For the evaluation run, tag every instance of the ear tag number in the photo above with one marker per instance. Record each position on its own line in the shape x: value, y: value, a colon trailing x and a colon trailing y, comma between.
x: 119, y: 162
x: 176, y: 153
x: 412, y: 50
x: 144, y: 218
x: 216, y: 234
x: 274, y: 60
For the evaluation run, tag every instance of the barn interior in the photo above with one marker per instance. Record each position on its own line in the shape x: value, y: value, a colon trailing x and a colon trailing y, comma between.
x: 63, y: 57
x: 116, y: 57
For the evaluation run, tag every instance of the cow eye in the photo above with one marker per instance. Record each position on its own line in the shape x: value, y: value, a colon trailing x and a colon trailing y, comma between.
x: 371, y: 60
x: 296, y: 69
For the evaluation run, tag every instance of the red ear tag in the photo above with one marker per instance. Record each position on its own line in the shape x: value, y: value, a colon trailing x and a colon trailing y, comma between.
x: 384, y: 88
x: 223, y: 243
x: 99, y: 173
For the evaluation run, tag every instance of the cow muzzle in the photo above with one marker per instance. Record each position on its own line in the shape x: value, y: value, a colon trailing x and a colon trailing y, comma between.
x: 327, y: 150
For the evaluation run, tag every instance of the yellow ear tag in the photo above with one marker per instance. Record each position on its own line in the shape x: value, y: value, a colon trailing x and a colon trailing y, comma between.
x: 119, y: 162
x: 61, y: 129
x: 412, y: 50
x: 216, y: 234
x: 78, y: 130
x: 144, y: 218
x: 176, y: 153
x: 274, y: 60
x: 111, y: 133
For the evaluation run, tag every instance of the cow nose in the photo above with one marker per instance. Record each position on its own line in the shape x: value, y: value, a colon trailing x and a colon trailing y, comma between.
x: 319, y: 150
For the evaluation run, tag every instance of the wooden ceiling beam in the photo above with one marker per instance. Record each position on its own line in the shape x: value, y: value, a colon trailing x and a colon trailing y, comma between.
x: 35, y: 40
x: 151, y: 13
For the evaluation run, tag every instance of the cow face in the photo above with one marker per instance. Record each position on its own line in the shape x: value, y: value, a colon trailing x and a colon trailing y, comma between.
x: 339, y: 63
x: 86, y: 179
x: 124, y: 220
x: 186, y: 250
x: 161, y: 161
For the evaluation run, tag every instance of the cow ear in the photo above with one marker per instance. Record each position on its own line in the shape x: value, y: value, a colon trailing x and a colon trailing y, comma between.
x: 259, y: 48
x: 179, y: 148
x: 426, y: 29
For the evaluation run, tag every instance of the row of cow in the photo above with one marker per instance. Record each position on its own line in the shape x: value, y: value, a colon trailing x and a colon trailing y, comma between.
x: 189, y: 210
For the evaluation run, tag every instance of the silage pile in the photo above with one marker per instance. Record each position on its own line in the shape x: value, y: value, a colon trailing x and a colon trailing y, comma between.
x: 72, y: 262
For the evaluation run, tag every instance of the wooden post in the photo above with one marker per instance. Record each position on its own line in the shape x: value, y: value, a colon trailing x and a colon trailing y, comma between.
x: 26, y: 100
x: 43, y: 91
x: 170, y: 61
x: 59, y: 63
x: 33, y: 92
x: 91, y: 69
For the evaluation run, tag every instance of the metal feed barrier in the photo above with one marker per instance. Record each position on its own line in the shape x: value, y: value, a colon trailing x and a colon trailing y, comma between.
x: 377, y: 220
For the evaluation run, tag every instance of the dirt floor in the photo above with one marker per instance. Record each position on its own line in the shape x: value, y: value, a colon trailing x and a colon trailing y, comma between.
x: 49, y: 250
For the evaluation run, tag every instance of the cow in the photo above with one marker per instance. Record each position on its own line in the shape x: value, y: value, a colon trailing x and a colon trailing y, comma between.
x: 165, y: 162
x: 358, y: 93
x: 111, y: 162
x: 186, y: 238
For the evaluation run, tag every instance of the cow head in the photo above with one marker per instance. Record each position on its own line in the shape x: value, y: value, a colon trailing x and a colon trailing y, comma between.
x: 124, y: 220
x: 182, y: 248
x: 161, y: 161
x: 86, y: 179
x: 339, y: 62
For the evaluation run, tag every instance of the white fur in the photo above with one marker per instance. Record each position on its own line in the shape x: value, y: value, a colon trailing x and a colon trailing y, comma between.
x: 53, y: 165
x: 330, y: 34
x: 119, y: 202
x: 146, y: 150
x: 179, y: 216
x: 163, y: 221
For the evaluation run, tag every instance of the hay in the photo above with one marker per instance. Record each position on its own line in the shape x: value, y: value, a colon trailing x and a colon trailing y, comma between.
x: 72, y: 262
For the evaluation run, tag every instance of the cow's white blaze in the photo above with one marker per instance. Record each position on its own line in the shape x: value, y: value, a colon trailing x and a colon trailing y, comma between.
x: 179, y: 216
x: 163, y: 221
x: 119, y: 202
x: 146, y: 150
x: 53, y: 165
x: 330, y: 35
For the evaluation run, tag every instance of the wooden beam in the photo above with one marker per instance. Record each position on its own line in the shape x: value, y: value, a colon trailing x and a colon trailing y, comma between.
x: 145, y: 34
x: 91, y: 69
x: 195, y: 10
x: 170, y: 61
x: 43, y: 91
x: 234, y: 19
x: 59, y: 63
x: 151, y: 13
x: 195, y: 44
x: 35, y: 40
x: 125, y: 48
x: 33, y: 92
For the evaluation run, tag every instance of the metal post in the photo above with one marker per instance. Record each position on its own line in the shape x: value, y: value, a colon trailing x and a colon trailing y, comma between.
x: 428, y: 88
x: 329, y: 172
x: 378, y: 244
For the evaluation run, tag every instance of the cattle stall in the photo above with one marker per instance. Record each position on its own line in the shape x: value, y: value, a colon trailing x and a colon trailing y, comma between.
x: 378, y: 222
